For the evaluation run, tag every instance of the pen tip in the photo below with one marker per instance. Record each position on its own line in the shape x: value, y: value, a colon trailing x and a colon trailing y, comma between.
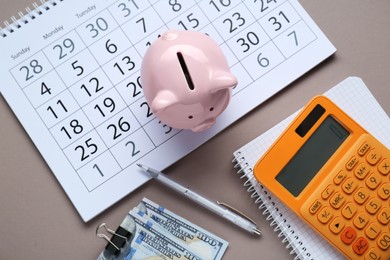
x: 257, y: 231
x: 142, y: 166
x: 153, y: 173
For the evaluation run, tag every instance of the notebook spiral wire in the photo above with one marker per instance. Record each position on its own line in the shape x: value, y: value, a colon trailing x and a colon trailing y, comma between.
x: 264, y: 202
x: 26, y: 17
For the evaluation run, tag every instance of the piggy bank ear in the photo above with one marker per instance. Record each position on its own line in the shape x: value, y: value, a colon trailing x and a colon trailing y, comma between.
x: 163, y: 100
x: 222, y: 80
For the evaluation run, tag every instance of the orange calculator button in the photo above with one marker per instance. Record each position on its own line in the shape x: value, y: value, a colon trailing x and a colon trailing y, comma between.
x: 351, y: 163
x: 373, y: 230
x: 315, y: 207
x: 373, y: 180
x: 361, y: 220
x: 325, y: 215
x: 327, y: 192
x: 360, y: 246
x: 361, y: 171
x: 337, y: 200
x: 349, y: 210
x: 373, y: 205
x: 383, y: 241
x: 373, y: 156
x: 384, y: 166
x: 384, y: 216
x: 336, y: 225
x: 361, y: 195
x: 339, y: 177
x: 350, y: 185
x: 364, y: 148
x: 384, y: 191
x: 373, y: 254
x: 348, y: 235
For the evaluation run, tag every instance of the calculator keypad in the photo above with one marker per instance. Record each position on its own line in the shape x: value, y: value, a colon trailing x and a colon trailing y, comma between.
x: 351, y: 208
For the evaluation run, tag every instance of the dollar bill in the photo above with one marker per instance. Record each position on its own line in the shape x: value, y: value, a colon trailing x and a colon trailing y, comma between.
x: 156, y: 240
x: 148, y: 242
x: 200, y: 240
x: 157, y: 233
x: 203, y: 253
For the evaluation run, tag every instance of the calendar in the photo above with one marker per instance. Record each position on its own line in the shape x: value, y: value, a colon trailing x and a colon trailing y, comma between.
x: 71, y: 74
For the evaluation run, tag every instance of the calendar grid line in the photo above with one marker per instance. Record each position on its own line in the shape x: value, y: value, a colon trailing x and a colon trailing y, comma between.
x: 119, y: 24
x: 303, y: 20
x: 91, y: 18
x: 276, y: 46
x: 141, y: 39
x: 166, y: 22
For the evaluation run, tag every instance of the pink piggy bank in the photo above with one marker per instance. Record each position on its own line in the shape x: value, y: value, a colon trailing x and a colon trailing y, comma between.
x: 186, y: 80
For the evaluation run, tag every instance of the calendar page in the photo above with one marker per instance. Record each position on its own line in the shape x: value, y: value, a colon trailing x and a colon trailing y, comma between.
x: 70, y: 72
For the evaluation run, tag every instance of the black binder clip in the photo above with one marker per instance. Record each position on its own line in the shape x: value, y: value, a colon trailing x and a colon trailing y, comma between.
x: 118, y: 239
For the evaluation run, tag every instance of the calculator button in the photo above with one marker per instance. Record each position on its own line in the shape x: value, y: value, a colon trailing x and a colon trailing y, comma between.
x: 384, y: 216
x: 361, y: 220
x: 361, y: 195
x: 325, y: 215
x: 373, y: 205
x: 336, y: 225
x: 349, y: 210
x: 315, y: 207
x: 360, y: 246
x: 373, y: 230
x: 349, y: 185
x: 351, y: 163
x: 364, y: 148
x: 348, y: 235
x: 373, y: 180
x: 384, y: 191
x: 372, y: 254
x: 339, y: 177
x: 373, y: 157
x: 384, y: 166
x: 361, y: 171
x: 337, y: 200
x: 327, y: 192
x: 383, y: 241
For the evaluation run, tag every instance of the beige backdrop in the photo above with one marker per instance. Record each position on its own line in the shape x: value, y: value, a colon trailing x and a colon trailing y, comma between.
x: 37, y: 221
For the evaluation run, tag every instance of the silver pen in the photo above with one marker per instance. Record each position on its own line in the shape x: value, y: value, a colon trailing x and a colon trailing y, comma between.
x: 218, y: 209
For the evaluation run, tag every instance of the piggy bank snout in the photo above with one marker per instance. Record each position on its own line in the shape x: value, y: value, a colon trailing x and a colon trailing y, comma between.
x: 204, y: 125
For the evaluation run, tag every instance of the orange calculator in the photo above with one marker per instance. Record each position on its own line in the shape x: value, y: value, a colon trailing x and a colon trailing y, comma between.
x: 334, y: 175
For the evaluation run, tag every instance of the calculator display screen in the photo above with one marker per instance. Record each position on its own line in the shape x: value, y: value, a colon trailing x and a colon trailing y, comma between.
x: 310, y: 158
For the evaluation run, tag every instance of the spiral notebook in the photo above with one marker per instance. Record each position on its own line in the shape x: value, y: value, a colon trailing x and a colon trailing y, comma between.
x: 70, y: 73
x: 353, y: 97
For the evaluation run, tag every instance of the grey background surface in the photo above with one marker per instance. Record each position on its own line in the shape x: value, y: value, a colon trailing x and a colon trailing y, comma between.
x: 37, y: 220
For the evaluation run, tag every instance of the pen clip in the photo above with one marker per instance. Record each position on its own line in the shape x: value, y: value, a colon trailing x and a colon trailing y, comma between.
x: 236, y: 211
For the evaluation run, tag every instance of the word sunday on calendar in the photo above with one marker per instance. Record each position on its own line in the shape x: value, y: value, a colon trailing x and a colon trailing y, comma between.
x: 81, y: 98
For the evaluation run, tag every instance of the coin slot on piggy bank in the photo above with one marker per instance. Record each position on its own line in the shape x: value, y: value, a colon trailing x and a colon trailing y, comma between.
x: 183, y: 65
x: 186, y: 80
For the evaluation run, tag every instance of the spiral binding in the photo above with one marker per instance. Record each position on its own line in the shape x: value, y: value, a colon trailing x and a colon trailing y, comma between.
x: 27, y: 17
x: 268, y: 208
